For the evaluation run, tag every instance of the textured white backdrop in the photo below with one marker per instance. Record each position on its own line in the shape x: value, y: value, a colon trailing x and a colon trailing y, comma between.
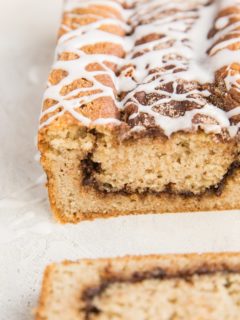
x: 29, y: 238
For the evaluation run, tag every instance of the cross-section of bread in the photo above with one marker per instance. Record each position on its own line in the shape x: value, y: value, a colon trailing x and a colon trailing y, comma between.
x: 142, y: 109
x: 179, y: 287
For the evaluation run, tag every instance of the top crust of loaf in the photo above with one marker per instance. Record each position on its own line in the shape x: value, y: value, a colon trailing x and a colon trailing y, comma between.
x: 112, y: 91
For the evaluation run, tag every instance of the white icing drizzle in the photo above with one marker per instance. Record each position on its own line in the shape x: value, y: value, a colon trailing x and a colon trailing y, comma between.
x: 222, y: 56
x: 178, y: 56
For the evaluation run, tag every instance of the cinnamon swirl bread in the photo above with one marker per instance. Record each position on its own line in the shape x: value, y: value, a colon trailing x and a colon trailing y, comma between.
x: 179, y: 287
x: 142, y: 109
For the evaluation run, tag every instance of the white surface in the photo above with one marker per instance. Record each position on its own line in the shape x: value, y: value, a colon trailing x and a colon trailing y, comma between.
x: 29, y: 238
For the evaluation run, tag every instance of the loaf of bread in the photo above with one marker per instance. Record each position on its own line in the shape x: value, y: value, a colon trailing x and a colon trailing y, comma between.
x: 142, y: 109
x: 176, y: 287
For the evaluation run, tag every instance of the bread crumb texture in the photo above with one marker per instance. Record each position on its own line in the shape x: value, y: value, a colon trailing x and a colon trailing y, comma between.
x: 179, y: 287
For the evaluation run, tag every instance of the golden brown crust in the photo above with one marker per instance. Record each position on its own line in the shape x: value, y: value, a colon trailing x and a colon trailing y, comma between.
x: 45, y: 292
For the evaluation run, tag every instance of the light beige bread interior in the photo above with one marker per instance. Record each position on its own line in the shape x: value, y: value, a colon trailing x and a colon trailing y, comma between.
x: 179, y: 287
x: 189, y: 172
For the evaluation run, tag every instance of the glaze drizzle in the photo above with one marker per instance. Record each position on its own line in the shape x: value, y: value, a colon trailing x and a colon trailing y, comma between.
x: 168, y: 56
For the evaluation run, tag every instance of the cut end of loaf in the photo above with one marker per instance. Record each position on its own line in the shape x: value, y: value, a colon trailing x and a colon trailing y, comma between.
x: 150, y: 287
x: 93, y: 172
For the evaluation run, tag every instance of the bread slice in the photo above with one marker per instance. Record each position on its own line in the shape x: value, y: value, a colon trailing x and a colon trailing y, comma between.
x: 141, y: 113
x: 176, y: 287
